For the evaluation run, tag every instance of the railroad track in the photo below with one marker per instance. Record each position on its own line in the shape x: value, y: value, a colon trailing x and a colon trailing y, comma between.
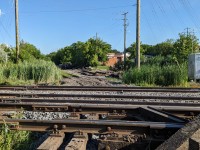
x: 101, y: 88
x: 113, y: 113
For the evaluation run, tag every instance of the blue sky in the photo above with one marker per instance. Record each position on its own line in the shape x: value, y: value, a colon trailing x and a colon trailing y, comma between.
x: 53, y: 24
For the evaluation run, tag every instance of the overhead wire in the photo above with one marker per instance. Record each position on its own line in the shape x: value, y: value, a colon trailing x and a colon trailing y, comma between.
x: 186, y: 7
x: 174, y: 9
x: 76, y: 10
x: 167, y: 20
x: 8, y: 17
x: 149, y: 25
x: 195, y: 16
x: 3, y: 27
x: 156, y: 17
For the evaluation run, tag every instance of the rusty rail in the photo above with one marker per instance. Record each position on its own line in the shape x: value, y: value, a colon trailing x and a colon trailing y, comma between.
x: 88, y: 126
x: 102, y: 88
x: 52, y: 95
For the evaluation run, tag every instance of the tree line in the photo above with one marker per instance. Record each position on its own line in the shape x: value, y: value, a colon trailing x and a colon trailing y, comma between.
x: 175, y: 49
x: 94, y: 51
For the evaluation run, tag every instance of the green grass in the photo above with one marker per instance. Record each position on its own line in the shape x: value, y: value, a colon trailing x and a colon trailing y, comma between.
x: 153, y: 75
x: 101, y: 68
x: 37, y: 71
x: 65, y: 74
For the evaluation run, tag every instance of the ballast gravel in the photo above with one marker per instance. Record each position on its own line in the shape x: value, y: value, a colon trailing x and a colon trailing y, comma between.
x: 44, y: 115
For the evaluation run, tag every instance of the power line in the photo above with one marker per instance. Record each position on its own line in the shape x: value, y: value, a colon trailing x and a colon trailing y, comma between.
x: 192, y: 17
x: 4, y: 29
x: 149, y: 25
x: 165, y: 16
x: 173, y: 7
x: 78, y: 10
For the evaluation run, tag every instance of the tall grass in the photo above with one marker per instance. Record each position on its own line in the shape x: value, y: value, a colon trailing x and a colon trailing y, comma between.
x: 169, y: 75
x: 38, y: 71
x: 13, y: 140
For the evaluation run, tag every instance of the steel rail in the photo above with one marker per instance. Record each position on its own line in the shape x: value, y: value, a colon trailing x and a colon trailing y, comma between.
x: 98, y: 104
x: 92, y: 124
x: 53, y: 101
x: 51, y: 95
x: 102, y: 88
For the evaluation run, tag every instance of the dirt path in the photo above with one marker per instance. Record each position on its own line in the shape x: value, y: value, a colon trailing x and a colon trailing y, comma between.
x: 79, y: 79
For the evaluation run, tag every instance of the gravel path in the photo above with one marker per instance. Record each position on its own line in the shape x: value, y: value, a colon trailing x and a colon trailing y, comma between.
x: 80, y: 79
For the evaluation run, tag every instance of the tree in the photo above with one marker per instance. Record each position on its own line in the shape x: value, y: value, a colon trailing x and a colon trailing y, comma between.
x: 3, y: 53
x: 29, y: 51
x: 185, y: 45
x: 82, y: 54
x: 132, y: 49
x: 99, y: 48
x: 162, y: 49
x: 78, y: 53
x: 62, y: 56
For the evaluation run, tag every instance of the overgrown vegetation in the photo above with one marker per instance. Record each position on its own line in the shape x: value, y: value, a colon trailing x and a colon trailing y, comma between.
x: 158, y: 71
x: 36, y: 71
x: 14, y: 140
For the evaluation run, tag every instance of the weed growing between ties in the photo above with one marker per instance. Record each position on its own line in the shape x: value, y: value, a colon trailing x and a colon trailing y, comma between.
x: 37, y: 71
x: 169, y: 75
x: 13, y: 140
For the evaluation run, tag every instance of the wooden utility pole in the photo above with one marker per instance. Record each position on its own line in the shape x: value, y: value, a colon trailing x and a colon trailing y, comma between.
x: 125, y: 26
x: 138, y: 36
x: 17, y: 30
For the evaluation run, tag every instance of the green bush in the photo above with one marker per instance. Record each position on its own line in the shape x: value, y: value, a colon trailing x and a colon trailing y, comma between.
x: 170, y: 75
x: 39, y: 71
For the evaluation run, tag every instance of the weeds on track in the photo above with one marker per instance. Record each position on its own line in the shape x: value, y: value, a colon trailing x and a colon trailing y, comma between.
x: 13, y: 140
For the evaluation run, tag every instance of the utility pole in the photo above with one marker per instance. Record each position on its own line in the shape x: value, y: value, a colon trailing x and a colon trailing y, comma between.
x: 17, y: 30
x: 138, y: 35
x: 187, y: 31
x: 190, y: 33
x: 125, y: 27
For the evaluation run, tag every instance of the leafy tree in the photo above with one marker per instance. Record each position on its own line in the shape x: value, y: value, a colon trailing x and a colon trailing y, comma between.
x: 28, y: 51
x: 185, y: 45
x: 114, y: 51
x: 7, y: 52
x: 62, y: 56
x: 52, y: 57
x: 82, y: 54
x: 132, y: 50
x: 100, y: 48
x: 3, y: 54
x: 162, y: 49
x: 78, y: 53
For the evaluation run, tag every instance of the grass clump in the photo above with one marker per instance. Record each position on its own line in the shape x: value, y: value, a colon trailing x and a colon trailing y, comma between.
x: 169, y: 75
x: 13, y: 140
x: 37, y: 71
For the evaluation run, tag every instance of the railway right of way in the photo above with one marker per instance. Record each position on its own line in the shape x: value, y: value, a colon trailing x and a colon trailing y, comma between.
x: 113, y: 114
